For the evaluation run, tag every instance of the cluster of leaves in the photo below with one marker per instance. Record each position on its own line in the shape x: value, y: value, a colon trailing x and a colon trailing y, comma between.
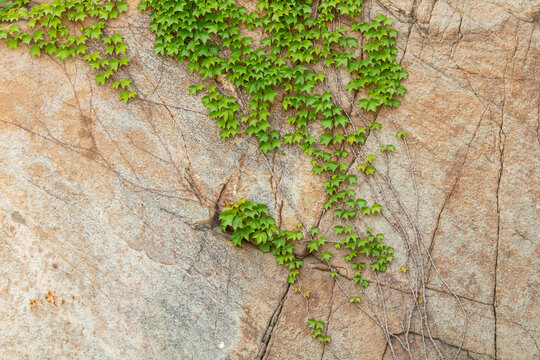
x: 222, y: 109
x: 8, y: 4
x: 207, y: 34
x: 67, y: 28
x: 249, y: 221
x: 370, y: 245
x: 380, y: 68
x: 317, y: 327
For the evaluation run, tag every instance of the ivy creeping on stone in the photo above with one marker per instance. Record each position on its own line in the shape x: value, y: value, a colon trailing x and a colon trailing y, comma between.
x: 68, y: 28
x: 246, y: 82
x: 300, y: 36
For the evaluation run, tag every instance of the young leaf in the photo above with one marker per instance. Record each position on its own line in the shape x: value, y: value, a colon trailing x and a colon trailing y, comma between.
x: 325, y: 256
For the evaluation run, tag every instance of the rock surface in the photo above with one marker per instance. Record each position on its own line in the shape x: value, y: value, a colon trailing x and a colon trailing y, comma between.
x: 109, y: 242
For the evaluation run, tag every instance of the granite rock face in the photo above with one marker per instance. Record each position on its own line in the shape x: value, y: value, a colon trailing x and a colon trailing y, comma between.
x: 109, y: 240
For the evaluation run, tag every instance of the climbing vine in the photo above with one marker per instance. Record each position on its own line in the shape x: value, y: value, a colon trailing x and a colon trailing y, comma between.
x: 285, y: 71
x: 69, y: 28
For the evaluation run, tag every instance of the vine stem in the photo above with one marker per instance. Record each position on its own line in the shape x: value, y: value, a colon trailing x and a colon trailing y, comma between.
x: 306, y: 300
x: 409, y: 246
x: 418, y: 237
x: 291, y: 204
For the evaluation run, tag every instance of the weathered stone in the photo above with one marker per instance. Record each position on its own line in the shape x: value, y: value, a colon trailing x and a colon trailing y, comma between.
x: 109, y: 237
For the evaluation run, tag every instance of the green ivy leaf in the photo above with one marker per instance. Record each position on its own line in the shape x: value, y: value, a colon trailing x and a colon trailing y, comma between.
x: 326, y: 256
x: 376, y: 208
x: 126, y: 95
x: 122, y: 6
x: 35, y: 50
x: 12, y: 43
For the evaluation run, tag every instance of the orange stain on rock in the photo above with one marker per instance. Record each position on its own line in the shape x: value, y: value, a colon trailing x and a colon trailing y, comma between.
x: 51, y: 298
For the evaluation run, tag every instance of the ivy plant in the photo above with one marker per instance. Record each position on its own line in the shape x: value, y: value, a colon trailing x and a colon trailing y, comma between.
x: 69, y: 28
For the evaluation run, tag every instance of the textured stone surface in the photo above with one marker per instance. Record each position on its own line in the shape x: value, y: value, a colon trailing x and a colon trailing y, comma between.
x: 108, y: 239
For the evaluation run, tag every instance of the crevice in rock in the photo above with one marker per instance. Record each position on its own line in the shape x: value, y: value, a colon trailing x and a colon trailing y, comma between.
x: 502, y: 141
x: 460, y: 296
x: 397, y: 13
x: 456, y: 181
x: 406, y: 44
x: 263, y: 348
x: 214, y: 220
x: 528, y: 333
x: 328, y: 318
x: 431, y: 11
x: 459, y: 37
x: 278, y: 206
x: 169, y: 106
x: 450, y: 345
x: 384, y: 352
